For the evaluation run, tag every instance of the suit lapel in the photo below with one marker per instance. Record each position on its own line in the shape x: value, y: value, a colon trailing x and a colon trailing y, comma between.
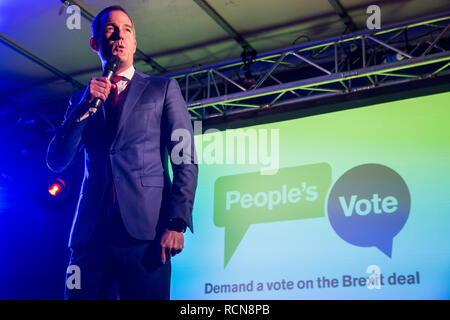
x: 137, y: 86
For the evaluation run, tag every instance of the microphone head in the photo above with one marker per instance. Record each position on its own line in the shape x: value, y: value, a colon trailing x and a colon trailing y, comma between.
x: 112, y: 64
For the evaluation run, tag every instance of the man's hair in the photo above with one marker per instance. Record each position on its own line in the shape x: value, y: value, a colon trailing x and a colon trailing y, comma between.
x: 97, y: 23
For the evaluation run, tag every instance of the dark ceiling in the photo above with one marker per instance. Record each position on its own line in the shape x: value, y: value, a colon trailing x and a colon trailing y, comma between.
x: 176, y: 34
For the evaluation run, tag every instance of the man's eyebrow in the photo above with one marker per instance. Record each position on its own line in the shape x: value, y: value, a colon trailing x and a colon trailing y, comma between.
x: 110, y: 24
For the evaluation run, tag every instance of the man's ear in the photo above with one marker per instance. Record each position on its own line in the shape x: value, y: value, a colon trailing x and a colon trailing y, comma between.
x: 93, y: 44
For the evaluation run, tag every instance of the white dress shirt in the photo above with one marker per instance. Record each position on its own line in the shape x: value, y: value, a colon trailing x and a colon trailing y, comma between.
x: 128, y: 75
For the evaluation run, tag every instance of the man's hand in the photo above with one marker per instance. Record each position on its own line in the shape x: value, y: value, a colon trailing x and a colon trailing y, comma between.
x: 172, y: 243
x: 99, y: 88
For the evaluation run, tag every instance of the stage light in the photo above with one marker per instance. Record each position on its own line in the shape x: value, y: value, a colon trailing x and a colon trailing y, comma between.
x: 388, y: 58
x: 248, y: 56
x: 56, y: 187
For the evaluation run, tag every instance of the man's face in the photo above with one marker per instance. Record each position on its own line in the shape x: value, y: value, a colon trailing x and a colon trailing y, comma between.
x: 117, y: 38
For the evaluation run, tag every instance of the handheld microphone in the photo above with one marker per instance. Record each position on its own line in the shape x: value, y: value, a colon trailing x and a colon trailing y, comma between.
x: 110, y: 69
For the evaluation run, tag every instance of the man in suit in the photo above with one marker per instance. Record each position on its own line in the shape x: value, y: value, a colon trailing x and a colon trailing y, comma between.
x: 130, y: 216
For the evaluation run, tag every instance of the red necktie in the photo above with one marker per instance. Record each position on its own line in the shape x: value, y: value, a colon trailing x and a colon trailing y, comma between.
x: 112, y: 106
x: 114, y: 90
x: 113, y: 117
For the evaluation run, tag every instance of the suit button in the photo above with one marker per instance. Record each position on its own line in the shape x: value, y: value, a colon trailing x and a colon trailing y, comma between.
x: 112, y: 152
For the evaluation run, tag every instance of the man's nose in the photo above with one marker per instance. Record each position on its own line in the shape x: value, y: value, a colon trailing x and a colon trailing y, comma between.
x: 119, y: 34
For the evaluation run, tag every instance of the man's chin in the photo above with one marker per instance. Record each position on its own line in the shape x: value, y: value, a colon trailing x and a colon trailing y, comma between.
x: 107, y: 57
x: 122, y: 57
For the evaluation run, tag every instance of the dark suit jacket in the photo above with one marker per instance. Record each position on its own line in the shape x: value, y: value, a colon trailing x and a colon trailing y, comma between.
x: 138, y: 155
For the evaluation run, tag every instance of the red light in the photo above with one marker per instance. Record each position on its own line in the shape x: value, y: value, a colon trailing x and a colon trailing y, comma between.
x: 56, y: 187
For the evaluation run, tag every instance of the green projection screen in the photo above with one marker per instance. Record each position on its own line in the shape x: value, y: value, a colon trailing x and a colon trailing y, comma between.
x: 352, y: 204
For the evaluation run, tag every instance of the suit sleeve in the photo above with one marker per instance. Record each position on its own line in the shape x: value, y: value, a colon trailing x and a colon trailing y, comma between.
x: 182, y: 156
x: 64, y: 145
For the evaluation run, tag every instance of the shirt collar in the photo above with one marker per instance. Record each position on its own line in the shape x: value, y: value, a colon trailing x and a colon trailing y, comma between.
x: 128, y: 74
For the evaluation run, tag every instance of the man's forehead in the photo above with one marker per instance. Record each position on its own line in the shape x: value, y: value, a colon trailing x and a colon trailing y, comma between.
x: 116, y: 16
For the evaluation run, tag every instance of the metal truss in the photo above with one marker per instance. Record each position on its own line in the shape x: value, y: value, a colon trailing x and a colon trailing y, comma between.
x: 360, y: 61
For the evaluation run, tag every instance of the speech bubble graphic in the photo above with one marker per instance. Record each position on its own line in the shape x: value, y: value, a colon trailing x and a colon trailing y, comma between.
x: 368, y: 206
x: 245, y: 199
